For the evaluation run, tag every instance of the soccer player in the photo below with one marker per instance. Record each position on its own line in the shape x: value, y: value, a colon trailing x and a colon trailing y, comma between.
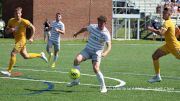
x: 94, y: 50
x: 46, y: 30
x: 171, y: 46
x: 17, y: 26
x: 57, y: 28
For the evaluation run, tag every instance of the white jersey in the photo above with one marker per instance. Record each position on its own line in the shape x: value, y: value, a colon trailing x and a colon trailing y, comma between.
x: 97, y: 38
x: 55, y: 36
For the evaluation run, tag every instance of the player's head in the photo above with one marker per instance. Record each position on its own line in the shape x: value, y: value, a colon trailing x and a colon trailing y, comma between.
x: 58, y: 16
x: 18, y: 12
x: 167, y: 13
x: 101, y: 22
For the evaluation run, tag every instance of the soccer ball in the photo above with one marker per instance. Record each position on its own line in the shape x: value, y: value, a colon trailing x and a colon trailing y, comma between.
x: 74, y: 73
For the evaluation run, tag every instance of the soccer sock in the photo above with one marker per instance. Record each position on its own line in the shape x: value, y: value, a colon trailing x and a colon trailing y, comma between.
x: 11, y: 63
x: 156, y: 67
x: 77, y: 67
x: 34, y: 55
x: 55, y: 58
x: 100, y: 78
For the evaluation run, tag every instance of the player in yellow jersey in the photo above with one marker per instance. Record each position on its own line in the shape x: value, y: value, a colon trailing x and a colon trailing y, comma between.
x: 171, y: 46
x: 17, y: 26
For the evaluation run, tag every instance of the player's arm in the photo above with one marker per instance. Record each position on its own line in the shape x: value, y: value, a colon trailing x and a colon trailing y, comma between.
x: 80, y: 31
x: 32, y: 28
x: 9, y: 30
x: 107, y: 50
x: 60, y: 31
x: 160, y: 31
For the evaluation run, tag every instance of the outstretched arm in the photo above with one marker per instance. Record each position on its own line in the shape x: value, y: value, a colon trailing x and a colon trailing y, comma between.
x: 80, y: 31
x: 160, y: 31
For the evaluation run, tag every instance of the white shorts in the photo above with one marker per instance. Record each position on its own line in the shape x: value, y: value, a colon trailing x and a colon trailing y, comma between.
x: 55, y: 44
x: 91, y: 54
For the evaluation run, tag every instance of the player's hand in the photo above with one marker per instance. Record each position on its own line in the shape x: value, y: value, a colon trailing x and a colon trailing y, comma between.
x: 150, y: 28
x: 31, y: 40
x: 11, y: 30
x: 56, y: 29
x: 103, y: 54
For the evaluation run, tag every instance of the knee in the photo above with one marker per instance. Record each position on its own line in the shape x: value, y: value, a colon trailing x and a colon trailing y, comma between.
x: 26, y: 57
x: 154, y: 57
x: 77, y: 60
x: 96, y: 69
x: 13, y: 54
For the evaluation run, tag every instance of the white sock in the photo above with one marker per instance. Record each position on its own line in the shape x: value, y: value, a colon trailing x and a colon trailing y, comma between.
x: 158, y: 75
x: 100, y: 78
x: 55, y: 58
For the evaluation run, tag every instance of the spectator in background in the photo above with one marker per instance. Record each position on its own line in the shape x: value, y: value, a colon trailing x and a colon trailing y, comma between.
x: 46, y: 30
x: 2, y: 25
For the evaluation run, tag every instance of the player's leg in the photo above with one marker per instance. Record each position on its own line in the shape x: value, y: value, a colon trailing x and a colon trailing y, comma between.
x: 11, y: 63
x: 96, y: 60
x: 49, y: 50
x: 156, y: 55
x: 18, y: 47
x: 44, y: 36
x: 82, y: 56
x: 56, y: 51
x: 27, y: 55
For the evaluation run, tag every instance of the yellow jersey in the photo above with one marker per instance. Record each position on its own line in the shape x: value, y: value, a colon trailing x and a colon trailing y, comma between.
x: 170, y: 37
x: 20, y: 33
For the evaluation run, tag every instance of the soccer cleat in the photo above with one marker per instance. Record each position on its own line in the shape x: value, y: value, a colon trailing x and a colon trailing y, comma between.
x: 53, y: 65
x: 43, y: 56
x: 103, y: 90
x: 6, y: 73
x: 155, y: 79
x: 73, y: 83
x: 50, y: 56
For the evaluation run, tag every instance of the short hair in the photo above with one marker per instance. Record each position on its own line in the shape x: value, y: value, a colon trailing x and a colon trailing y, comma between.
x: 102, y: 18
x: 168, y: 9
x: 18, y: 9
x: 58, y: 13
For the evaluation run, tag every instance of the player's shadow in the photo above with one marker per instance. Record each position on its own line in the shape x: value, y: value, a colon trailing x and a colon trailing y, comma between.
x: 33, y: 91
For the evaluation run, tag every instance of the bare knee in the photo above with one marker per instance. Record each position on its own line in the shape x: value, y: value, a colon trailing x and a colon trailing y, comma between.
x: 25, y: 56
x: 96, y: 67
x: 13, y: 54
x: 78, y: 60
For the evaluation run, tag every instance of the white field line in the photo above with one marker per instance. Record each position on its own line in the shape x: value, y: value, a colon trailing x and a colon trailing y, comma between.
x: 121, y: 82
x: 116, y: 87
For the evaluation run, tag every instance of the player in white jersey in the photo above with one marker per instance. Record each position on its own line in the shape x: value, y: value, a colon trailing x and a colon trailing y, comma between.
x: 94, y: 50
x: 57, y: 28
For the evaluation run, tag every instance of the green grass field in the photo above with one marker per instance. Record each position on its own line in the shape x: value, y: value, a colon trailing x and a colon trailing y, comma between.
x: 129, y: 61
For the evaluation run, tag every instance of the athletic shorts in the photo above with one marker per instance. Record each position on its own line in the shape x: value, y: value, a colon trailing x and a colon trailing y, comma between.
x: 55, y: 44
x: 173, y: 51
x: 20, y: 45
x: 91, y: 54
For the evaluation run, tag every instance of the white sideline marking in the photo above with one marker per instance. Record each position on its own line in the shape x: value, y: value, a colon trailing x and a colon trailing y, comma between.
x: 116, y: 87
x: 121, y: 82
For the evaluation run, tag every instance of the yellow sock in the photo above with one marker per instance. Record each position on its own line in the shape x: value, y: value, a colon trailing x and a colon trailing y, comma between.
x: 156, y: 66
x: 11, y: 63
x: 34, y: 55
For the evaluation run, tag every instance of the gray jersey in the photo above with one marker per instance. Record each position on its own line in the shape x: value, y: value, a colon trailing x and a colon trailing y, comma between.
x: 97, y: 38
x: 55, y: 36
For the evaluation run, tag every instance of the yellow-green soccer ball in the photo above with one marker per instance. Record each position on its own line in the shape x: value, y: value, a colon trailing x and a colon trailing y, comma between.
x: 74, y: 73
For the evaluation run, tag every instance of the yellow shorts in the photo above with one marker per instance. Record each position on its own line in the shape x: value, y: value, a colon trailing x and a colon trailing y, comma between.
x: 20, y: 45
x: 174, y: 51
